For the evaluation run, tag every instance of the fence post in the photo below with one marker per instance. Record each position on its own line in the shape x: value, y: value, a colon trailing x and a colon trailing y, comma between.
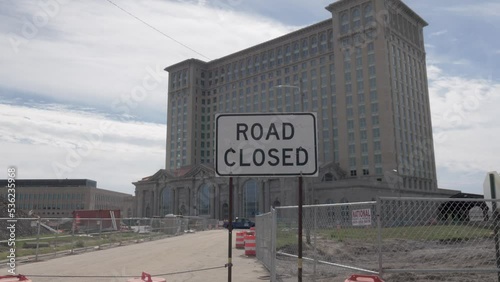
x: 314, y: 246
x: 274, y: 227
x: 55, y: 240
x: 73, y: 227
x: 100, y: 232
x: 151, y: 229
x: 379, y: 235
x: 495, y: 222
x: 37, y: 238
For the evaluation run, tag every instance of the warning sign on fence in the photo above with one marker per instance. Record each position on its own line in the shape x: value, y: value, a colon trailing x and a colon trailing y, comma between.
x: 362, y: 217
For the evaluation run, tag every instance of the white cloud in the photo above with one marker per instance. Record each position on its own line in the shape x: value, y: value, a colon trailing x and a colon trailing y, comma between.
x: 58, y: 143
x: 465, y: 121
x: 438, y: 33
x: 92, y: 52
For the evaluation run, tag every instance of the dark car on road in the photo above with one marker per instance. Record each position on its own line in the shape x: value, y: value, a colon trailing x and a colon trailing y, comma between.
x: 240, y: 223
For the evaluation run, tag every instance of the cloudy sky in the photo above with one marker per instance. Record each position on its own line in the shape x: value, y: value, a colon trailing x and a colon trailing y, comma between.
x: 83, y: 94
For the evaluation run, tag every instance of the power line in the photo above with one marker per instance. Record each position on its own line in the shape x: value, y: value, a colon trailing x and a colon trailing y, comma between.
x: 157, y: 30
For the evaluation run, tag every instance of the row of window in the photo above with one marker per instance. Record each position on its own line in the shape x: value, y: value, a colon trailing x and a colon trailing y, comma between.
x: 406, y: 28
x: 50, y: 206
x: 48, y: 196
x: 275, y: 57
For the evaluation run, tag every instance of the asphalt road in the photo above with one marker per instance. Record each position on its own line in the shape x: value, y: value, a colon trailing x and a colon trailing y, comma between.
x: 195, y: 251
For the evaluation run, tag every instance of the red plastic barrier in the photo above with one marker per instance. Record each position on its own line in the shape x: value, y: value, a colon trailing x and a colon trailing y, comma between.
x: 363, y: 278
x: 250, y: 245
x: 14, y: 278
x: 240, y: 240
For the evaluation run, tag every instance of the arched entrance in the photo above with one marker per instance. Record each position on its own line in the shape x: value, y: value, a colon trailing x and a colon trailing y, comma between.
x: 166, y: 201
x: 205, y: 196
x: 250, y: 198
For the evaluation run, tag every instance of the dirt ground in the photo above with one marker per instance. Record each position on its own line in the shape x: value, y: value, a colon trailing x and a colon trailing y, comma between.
x: 397, y: 254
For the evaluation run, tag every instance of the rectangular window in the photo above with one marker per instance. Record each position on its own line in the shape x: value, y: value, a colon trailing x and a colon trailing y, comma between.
x: 350, y: 124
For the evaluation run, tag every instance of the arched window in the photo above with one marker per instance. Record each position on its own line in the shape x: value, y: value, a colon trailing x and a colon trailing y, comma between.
x: 296, y: 51
x: 166, y: 201
x: 250, y: 198
x: 344, y: 23
x: 368, y: 13
x: 305, y: 47
x: 314, y: 44
x: 322, y: 40
x: 204, y: 199
x: 356, y: 19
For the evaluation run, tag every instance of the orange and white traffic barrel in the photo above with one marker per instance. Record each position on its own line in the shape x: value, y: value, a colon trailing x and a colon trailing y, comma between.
x: 363, y: 278
x: 240, y: 240
x: 250, y: 245
x: 14, y: 278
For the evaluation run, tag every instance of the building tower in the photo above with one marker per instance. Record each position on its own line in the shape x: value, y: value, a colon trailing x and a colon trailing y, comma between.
x: 363, y: 71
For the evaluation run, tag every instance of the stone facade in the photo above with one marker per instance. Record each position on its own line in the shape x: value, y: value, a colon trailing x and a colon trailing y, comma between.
x: 181, y: 192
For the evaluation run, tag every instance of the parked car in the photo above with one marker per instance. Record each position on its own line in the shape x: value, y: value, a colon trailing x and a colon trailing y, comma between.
x: 240, y: 223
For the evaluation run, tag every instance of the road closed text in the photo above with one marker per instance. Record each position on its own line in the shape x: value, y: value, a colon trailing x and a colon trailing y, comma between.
x: 255, y: 144
x: 273, y: 157
x: 270, y: 156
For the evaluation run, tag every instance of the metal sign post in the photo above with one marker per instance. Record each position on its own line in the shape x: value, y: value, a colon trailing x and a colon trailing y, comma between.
x: 230, y: 230
x: 299, y: 260
x: 266, y: 145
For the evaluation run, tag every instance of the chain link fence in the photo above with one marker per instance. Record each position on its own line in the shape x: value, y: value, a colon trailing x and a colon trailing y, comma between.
x: 39, y: 238
x: 400, y: 239
x: 425, y: 239
x: 265, y: 240
x: 331, y: 235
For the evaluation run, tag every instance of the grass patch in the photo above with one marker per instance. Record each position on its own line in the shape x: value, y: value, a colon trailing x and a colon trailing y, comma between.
x: 448, y: 234
x: 286, y: 238
x: 62, y: 243
x: 425, y: 233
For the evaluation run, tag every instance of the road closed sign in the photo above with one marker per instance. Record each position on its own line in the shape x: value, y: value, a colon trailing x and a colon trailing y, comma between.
x: 266, y: 144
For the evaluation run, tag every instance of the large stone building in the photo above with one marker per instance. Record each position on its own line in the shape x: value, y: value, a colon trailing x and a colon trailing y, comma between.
x: 363, y: 72
x: 60, y: 197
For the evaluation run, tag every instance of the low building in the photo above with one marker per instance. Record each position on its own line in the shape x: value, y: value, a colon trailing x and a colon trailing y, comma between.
x: 60, y: 197
x: 196, y: 191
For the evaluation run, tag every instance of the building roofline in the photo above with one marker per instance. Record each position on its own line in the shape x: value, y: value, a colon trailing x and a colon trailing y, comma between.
x: 401, y: 5
x: 398, y: 4
x: 52, y: 182
x: 273, y: 41
x: 255, y: 47
x: 192, y: 60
